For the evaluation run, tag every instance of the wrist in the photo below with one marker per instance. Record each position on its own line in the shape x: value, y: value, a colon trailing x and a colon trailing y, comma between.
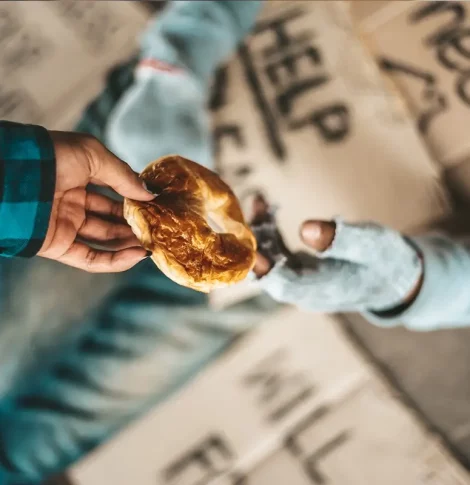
x: 408, y: 300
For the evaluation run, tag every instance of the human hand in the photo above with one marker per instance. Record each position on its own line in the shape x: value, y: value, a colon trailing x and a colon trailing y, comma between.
x: 355, y: 267
x: 80, y: 218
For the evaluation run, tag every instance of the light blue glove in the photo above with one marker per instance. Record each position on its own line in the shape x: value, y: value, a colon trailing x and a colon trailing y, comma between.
x: 366, y: 267
x: 164, y: 112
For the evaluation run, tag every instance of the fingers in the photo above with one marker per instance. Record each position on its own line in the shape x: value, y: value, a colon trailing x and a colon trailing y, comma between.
x: 112, y: 235
x: 104, y: 206
x: 262, y: 266
x: 365, y: 243
x: 260, y: 211
x: 334, y: 285
x: 319, y: 235
x: 104, y: 224
x: 81, y: 256
x: 109, y: 170
x: 329, y: 285
x: 260, y: 206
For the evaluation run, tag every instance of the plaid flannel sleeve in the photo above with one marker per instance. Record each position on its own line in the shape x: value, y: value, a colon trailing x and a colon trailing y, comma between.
x: 27, y: 184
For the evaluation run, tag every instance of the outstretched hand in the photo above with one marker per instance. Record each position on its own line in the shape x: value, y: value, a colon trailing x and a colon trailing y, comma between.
x: 79, y: 219
x: 353, y: 267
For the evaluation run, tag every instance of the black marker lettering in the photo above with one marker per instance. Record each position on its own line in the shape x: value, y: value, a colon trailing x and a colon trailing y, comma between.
x: 201, y: 464
x: 457, y: 17
x: 311, y: 459
x: 463, y: 87
x: 219, y: 94
x: 278, y: 27
x: 452, y: 52
x: 259, y: 98
x: 450, y: 43
x: 227, y: 131
x: 435, y: 101
x: 289, y: 62
x: 332, y: 122
x: 279, y: 389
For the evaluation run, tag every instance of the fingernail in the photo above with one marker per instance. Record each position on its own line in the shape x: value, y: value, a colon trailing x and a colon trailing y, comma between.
x: 144, y: 185
x: 311, y: 231
x: 155, y: 194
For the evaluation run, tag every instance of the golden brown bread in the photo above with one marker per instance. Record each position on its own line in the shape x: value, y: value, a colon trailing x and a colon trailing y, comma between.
x: 175, y: 228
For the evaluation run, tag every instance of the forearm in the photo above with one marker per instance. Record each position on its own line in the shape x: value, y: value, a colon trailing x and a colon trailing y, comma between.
x: 195, y: 36
x: 444, y: 298
x: 27, y: 183
x: 199, y: 35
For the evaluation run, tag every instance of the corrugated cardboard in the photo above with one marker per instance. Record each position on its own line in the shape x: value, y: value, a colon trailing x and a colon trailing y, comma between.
x: 423, y: 46
x: 293, y: 401
x: 351, y: 162
x: 53, y: 55
x: 327, y: 133
x: 428, y: 63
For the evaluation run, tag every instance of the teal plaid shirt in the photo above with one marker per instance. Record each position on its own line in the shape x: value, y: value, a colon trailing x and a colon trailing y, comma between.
x: 27, y: 184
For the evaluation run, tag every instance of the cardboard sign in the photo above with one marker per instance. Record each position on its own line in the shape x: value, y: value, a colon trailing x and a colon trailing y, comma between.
x: 296, y: 116
x: 53, y: 55
x: 293, y: 401
x: 430, y: 62
x: 312, y: 124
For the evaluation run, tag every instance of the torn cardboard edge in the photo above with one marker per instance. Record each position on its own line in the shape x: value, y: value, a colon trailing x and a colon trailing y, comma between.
x: 428, y: 65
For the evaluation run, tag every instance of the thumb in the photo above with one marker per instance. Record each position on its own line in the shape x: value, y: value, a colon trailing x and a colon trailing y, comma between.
x: 113, y: 172
x: 318, y: 235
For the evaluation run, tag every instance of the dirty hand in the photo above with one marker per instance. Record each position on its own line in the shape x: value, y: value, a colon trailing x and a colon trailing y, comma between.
x: 80, y: 218
x: 355, y: 267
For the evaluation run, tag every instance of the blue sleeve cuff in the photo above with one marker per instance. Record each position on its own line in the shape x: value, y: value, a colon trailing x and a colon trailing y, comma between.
x: 444, y: 298
x: 27, y: 186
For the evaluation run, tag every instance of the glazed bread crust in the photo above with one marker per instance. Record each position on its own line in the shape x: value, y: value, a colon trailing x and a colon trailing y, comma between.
x: 176, y: 225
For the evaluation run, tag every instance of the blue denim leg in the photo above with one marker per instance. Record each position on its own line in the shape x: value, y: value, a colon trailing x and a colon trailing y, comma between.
x: 144, y: 341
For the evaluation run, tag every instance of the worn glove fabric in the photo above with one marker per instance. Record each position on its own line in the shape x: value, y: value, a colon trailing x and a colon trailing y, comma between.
x: 367, y: 267
x: 164, y: 111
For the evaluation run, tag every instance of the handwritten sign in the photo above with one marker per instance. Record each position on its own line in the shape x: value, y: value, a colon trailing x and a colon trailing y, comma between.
x: 314, y: 128
x: 211, y: 457
x: 292, y: 401
x: 279, y: 389
x: 54, y: 55
x: 95, y: 26
x: 286, y: 74
x: 430, y: 63
x: 302, y: 119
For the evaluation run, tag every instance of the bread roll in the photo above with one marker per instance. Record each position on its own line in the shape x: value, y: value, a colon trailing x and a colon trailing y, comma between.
x: 179, y: 225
